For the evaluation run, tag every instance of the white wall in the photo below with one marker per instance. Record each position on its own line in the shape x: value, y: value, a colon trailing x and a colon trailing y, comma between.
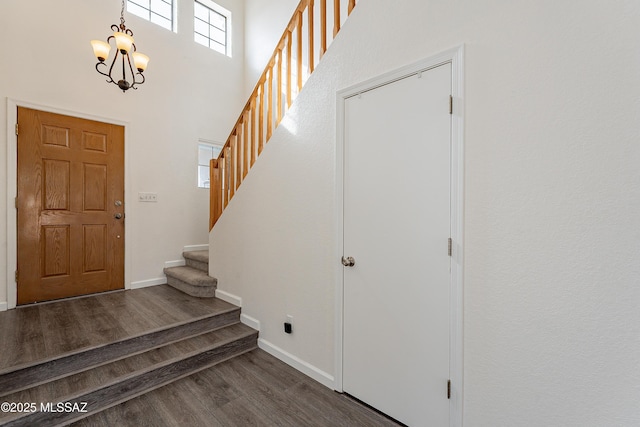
x: 552, y: 201
x: 191, y: 92
x: 266, y: 21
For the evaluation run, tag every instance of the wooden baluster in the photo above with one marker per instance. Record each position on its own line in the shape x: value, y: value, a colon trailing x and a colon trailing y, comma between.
x: 238, y: 158
x: 228, y: 172
x: 215, y: 199
x: 336, y: 17
x: 247, y: 145
x: 233, y: 169
x: 323, y: 27
x: 270, y: 105
x: 289, y: 40
x: 311, y: 37
x: 352, y: 4
x: 261, y: 119
x: 279, y: 87
x: 222, y: 164
x: 254, y: 146
x: 299, y: 50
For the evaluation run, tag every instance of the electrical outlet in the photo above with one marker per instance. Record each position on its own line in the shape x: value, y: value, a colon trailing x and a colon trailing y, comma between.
x: 148, y: 197
x: 288, y: 325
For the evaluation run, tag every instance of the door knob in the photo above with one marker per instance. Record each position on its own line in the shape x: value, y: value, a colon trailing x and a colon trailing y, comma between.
x: 348, y: 261
x: 118, y: 215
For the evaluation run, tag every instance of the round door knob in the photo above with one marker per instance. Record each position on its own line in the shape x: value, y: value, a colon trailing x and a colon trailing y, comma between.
x: 118, y: 215
x: 348, y: 261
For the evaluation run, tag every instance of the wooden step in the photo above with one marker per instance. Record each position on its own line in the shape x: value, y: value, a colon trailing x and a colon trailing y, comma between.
x: 191, y: 281
x: 112, y: 383
x: 18, y: 378
x: 197, y: 259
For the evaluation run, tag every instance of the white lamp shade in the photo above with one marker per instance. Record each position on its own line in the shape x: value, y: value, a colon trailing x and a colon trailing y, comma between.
x: 140, y: 60
x: 123, y: 41
x: 100, y: 49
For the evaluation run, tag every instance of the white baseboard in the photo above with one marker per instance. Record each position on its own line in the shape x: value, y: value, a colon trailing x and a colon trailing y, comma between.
x: 147, y: 283
x: 3, y: 306
x: 230, y: 298
x: 176, y: 263
x: 299, y: 364
x: 196, y: 248
x: 250, y: 322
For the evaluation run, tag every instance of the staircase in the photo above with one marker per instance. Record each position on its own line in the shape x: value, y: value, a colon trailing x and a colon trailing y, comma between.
x: 293, y: 61
x: 193, y: 278
x: 91, y: 379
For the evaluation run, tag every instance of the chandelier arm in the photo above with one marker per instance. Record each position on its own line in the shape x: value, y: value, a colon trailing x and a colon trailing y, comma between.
x: 124, y: 76
x: 133, y: 73
x: 113, y: 63
x: 138, y: 82
x: 103, y: 73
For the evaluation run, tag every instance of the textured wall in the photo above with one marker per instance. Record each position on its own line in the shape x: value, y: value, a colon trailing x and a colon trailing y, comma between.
x: 266, y: 23
x: 552, y: 193
x: 191, y: 92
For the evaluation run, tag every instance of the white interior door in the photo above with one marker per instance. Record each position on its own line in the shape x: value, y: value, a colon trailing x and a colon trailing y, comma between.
x: 396, y: 227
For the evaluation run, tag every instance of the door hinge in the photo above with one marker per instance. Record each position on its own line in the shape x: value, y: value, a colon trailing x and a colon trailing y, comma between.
x: 450, y: 247
x: 450, y: 104
x: 449, y: 389
x: 16, y: 276
x: 16, y: 202
x: 17, y: 129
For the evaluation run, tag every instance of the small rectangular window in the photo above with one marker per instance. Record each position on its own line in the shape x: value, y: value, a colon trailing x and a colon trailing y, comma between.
x: 212, y: 26
x: 161, y: 12
x: 207, y: 150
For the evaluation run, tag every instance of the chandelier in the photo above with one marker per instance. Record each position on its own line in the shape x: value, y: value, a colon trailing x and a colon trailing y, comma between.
x: 126, y: 50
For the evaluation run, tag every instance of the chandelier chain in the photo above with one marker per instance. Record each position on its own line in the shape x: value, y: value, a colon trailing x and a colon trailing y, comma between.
x: 122, y: 16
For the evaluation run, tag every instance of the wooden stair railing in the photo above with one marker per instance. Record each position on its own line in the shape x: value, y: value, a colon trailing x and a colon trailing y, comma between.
x: 272, y: 97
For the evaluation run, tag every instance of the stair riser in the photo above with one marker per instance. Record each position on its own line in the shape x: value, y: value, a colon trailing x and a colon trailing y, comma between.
x: 202, y: 266
x: 195, y: 291
x: 28, y: 377
x: 112, y: 395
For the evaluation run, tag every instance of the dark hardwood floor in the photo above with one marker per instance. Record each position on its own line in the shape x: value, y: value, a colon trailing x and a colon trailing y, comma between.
x: 41, y: 331
x: 254, y: 389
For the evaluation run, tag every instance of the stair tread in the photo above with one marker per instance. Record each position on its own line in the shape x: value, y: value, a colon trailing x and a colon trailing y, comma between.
x: 107, y: 375
x: 200, y: 256
x: 191, y: 275
x: 22, y: 377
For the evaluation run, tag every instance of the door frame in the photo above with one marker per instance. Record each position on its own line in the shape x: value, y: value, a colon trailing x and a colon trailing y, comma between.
x: 455, y: 56
x: 12, y: 184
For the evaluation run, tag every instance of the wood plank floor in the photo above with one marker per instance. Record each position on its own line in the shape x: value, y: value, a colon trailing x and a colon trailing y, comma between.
x: 254, y: 389
x: 42, y: 331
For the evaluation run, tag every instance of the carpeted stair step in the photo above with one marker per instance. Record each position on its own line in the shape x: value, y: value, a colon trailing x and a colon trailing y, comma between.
x: 110, y: 384
x: 197, y: 259
x: 191, y: 281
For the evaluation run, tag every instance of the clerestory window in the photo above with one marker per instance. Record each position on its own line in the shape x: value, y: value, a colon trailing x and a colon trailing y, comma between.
x: 161, y: 12
x: 212, y: 26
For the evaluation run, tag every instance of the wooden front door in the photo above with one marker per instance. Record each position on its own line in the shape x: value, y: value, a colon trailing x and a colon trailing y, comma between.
x: 70, y: 195
x: 396, y: 227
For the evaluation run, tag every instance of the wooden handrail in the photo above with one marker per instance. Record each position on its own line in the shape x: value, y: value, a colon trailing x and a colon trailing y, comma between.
x: 262, y: 113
